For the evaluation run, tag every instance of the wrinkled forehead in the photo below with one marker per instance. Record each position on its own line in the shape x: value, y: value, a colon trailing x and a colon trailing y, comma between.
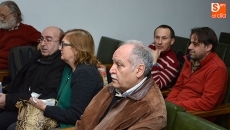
x: 4, y: 9
x: 123, y: 53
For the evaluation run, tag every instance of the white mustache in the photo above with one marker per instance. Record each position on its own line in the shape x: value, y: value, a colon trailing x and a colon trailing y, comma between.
x: 113, y: 76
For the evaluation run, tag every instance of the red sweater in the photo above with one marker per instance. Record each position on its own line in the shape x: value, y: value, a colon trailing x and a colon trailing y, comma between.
x: 167, y: 69
x: 204, y: 88
x: 24, y: 35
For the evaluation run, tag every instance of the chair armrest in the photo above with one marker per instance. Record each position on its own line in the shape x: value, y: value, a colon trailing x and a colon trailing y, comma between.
x: 165, y: 91
x: 219, y: 110
x: 4, y: 73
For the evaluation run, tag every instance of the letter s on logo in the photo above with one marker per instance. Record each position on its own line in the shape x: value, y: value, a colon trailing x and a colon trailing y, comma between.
x: 215, y: 7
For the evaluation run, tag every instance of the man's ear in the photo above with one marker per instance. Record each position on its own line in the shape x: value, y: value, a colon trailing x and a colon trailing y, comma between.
x: 140, y: 70
x: 208, y: 47
x: 172, y: 41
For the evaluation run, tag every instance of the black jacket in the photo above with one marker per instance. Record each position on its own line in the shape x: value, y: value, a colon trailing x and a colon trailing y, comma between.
x: 41, y: 75
x: 86, y: 83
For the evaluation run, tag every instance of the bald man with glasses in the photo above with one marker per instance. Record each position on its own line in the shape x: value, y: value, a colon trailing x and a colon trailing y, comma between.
x: 42, y: 74
x: 13, y: 32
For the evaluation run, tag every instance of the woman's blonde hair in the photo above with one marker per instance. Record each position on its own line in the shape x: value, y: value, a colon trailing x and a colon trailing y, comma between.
x: 82, y: 42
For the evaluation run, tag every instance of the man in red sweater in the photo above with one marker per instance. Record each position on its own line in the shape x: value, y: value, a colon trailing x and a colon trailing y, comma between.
x: 165, y: 63
x: 13, y: 32
x: 203, y: 80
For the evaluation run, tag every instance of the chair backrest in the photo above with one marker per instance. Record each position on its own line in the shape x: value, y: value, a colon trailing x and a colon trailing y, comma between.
x: 107, y: 47
x: 222, y: 120
x: 187, y: 121
x: 181, y: 44
x: 221, y: 50
x: 18, y: 57
x: 224, y: 38
x: 227, y: 94
x: 227, y: 57
x: 172, y: 110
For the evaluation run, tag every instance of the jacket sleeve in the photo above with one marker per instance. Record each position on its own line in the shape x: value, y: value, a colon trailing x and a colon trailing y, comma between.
x: 83, y: 90
x: 11, y: 99
x: 177, y: 88
x: 50, y: 85
x: 213, y: 91
x: 156, y: 123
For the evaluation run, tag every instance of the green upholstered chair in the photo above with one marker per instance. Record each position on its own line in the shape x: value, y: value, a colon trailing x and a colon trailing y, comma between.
x: 187, y: 121
x: 221, y: 50
x: 224, y: 38
x: 181, y: 44
x: 106, y: 48
x: 172, y: 110
x: 227, y: 57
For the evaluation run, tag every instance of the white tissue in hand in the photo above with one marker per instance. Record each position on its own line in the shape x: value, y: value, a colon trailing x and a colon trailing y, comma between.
x: 35, y: 95
x: 50, y: 102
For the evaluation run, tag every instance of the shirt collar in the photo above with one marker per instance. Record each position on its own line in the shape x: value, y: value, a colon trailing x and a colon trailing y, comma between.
x: 129, y: 91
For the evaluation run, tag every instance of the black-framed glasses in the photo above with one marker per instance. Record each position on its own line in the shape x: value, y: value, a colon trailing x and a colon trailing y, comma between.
x: 4, y: 17
x: 46, y: 40
x: 62, y: 44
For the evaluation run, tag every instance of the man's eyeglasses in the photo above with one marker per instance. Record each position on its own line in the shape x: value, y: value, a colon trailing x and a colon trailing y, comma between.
x: 3, y: 17
x: 46, y: 40
x: 65, y: 44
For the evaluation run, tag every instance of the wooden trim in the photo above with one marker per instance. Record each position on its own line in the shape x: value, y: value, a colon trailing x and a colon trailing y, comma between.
x: 219, y: 110
x: 4, y: 73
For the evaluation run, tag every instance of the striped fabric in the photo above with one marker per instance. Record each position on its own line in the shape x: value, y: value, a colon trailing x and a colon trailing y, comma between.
x: 167, y: 69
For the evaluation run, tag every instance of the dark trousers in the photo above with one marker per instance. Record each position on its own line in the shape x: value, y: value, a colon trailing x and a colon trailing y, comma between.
x: 7, y: 118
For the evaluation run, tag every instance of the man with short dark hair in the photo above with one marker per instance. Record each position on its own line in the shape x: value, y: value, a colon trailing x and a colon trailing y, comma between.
x: 132, y: 100
x: 42, y: 74
x: 203, y: 79
x: 165, y: 63
x: 13, y: 32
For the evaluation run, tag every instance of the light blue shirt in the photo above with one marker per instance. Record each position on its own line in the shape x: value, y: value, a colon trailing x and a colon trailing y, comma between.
x: 129, y: 91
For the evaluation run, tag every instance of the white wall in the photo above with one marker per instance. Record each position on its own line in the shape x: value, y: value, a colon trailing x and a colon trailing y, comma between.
x: 123, y: 19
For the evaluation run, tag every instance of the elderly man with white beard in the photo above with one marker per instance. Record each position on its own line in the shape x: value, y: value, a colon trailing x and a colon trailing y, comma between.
x: 13, y: 32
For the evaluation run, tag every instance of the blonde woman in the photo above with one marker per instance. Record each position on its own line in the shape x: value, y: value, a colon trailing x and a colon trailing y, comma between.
x: 80, y: 81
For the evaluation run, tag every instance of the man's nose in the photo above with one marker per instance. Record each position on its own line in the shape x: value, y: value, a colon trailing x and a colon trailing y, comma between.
x: 112, y: 70
x: 159, y: 41
x: 190, y: 46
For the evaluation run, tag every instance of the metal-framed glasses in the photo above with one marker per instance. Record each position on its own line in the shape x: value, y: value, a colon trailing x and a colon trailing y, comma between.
x: 3, y: 17
x: 62, y: 44
x: 46, y: 40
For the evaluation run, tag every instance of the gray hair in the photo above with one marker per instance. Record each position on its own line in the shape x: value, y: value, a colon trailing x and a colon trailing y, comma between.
x: 140, y: 55
x: 13, y: 9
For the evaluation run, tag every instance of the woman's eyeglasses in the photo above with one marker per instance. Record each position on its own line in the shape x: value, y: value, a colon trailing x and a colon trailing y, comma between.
x: 62, y: 44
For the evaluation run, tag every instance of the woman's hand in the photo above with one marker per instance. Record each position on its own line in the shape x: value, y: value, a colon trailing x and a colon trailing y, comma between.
x: 38, y: 103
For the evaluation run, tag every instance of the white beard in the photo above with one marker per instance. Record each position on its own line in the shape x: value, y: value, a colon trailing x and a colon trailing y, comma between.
x: 9, y: 24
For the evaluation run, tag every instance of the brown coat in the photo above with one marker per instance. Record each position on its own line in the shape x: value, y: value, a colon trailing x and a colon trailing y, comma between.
x: 143, y: 109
